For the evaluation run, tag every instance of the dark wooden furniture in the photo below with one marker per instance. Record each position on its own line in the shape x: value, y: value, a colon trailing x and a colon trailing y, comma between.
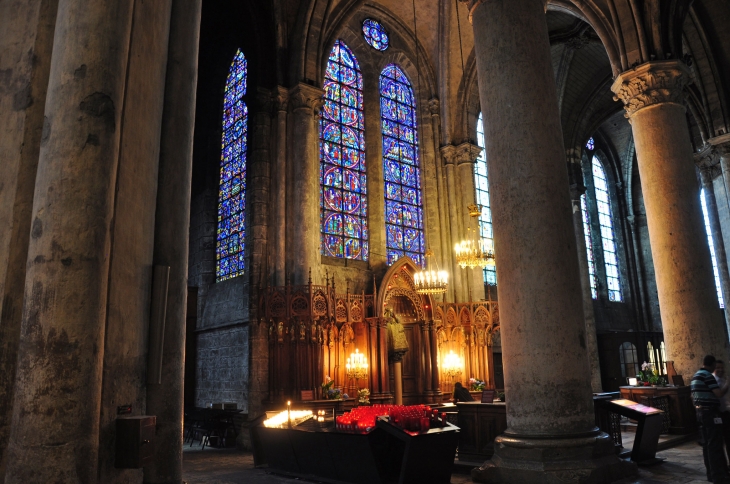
x: 384, y: 455
x: 647, y: 433
x: 135, y: 441
x: 479, y: 424
x: 606, y: 420
x: 682, y: 418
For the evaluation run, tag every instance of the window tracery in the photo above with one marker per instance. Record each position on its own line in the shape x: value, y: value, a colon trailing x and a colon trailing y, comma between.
x: 375, y: 34
x: 401, y: 166
x: 230, y: 245
x: 589, y: 245
x: 343, y: 179
x: 605, y: 219
x: 712, y: 248
x: 481, y: 182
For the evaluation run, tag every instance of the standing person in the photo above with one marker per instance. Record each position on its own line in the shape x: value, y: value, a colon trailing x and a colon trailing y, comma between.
x: 724, y: 404
x: 706, y: 394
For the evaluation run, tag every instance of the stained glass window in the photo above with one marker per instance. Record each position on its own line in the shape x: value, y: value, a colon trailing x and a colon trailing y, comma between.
x: 403, y: 198
x: 629, y: 360
x: 343, y: 183
x: 589, y: 245
x: 375, y: 34
x: 605, y: 220
x: 481, y: 181
x: 591, y: 145
x: 712, y: 248
x: 232, y: 194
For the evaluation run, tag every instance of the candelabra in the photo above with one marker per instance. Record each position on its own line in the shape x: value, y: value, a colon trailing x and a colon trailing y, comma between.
x: 452, y: 365
x: 430, y: 281
x: 474, y: 251
x: 356, y: 367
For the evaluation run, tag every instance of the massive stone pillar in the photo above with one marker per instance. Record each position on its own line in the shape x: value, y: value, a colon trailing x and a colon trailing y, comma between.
x: 277, y: 213
x: 55, y: 423
x: 172, y: 227
x: 457, y: 280
x: 26, y: 46
x: 708, y: 162
x: 551, y: 434
x: 692, y: 325
x: 303, y: 227
x: 577, y: 189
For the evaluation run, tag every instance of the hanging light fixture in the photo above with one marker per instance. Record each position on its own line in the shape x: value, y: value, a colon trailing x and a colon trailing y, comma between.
x: 474, y: 251
x: 430, y: 281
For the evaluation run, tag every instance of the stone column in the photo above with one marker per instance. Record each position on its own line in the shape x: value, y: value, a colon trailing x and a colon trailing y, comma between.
x: 55, y: 421
x: 551, y: 434
x: 457, y: 279
x: 172, y: 232
x: 653, y: 94
x: 27, y: 28
x: 426, y: 356
x: 708, y: 163
x: 446, y: 256
x: 467, y: 157
x: 277, y: 214
x: 303, y: 226
x: 577, y: 189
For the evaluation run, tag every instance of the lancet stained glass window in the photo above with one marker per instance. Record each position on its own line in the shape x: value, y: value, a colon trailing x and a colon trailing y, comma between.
x: 712, y: 248
x: 605, y: 220
x: 589, y: 245
x: 232, y: 195
x: 343, y: 183
x: 403, y: 198
x: 481, y: 181
x: 375, y: 34
x: 591, y: 144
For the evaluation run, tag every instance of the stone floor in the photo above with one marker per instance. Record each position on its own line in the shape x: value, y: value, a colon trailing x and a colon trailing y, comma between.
x: 228, y: 466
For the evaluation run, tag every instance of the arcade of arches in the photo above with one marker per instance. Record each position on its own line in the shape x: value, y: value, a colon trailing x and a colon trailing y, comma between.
x: 220, y: 201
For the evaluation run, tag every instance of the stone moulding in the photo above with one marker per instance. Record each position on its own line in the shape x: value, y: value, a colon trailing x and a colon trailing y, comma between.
x: 473, y: 4
x: 650, y: 84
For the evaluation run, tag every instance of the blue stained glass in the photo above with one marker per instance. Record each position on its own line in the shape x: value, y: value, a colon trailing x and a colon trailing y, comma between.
x: 375, y: 34
x: 230, y: 245
x: 403, y: 199
x: 591, y: 145
x: 481, y: 182
x: 343, y: 180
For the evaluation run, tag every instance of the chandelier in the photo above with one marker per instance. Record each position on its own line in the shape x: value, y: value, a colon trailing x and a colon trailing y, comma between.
x: 474, y: 251
x: 452, y: 364
x: 430, y: 281
x: 357, y: 365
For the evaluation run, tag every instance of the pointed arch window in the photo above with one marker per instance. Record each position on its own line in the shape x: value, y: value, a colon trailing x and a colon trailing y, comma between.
x: 605, y: 219
x: 481, y: 182
x: 230, y: 245
x: 589, y: 245
x: 712, y: 248
x: 343, y: 180
x: 401, y: 167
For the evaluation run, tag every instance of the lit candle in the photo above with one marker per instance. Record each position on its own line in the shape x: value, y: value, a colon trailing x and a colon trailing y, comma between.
x: 288, y: 411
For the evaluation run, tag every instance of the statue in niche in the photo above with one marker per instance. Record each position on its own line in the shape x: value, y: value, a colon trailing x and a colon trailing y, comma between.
x: 292, y: 332
x: 314, y: 331
x: 302, y: 331
x: 332, y: 337
x: 271, y: 330
x: 397, y: 341
x: 348, y: 335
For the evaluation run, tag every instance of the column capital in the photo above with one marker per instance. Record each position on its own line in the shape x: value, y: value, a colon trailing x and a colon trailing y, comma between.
x: 649, y: 84
x: 280, y: 98
x: 263, y: 100
x: 721, y: 143
x: 450, y: 155
x: 708, y: 157
x: 473, y: 4
x: 304, y: 96
x: 467, y: 153
x: 575, y: 173
x: 434, y: 106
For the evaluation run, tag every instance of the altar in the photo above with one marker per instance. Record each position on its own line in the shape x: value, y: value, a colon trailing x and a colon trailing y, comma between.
x: 314, y: 330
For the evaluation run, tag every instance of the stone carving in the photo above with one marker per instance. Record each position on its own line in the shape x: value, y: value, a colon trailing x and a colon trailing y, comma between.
x: 434, y: 106
x: 649, y: 84
x: 397, y: 341
x: 707, y: 157
x: 304, y: 96
x: 280, y: 99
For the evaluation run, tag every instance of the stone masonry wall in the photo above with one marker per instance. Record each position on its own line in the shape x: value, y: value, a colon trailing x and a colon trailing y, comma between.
x: 222, y: 367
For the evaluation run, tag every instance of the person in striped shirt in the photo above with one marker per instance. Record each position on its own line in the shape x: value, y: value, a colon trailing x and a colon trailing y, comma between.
x: 706, y: 394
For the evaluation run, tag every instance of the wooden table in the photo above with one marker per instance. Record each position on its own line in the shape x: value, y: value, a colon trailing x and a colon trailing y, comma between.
x: 683, y: 419
x: 479, y: 424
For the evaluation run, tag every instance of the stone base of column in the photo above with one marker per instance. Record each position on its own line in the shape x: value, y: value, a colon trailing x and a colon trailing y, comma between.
x: 579, y: 460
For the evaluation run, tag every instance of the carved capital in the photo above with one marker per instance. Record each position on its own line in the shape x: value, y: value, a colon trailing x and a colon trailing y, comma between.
x: 467, y: 153
x: 473, y: 4
x: 434, y: 106
x: 280, y: 99
x: 708, y: 157
x: 304, y: 96
x: 450, y: 154
x: 650, y: 84
x: 263, y: 100
x: 721, y: 144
